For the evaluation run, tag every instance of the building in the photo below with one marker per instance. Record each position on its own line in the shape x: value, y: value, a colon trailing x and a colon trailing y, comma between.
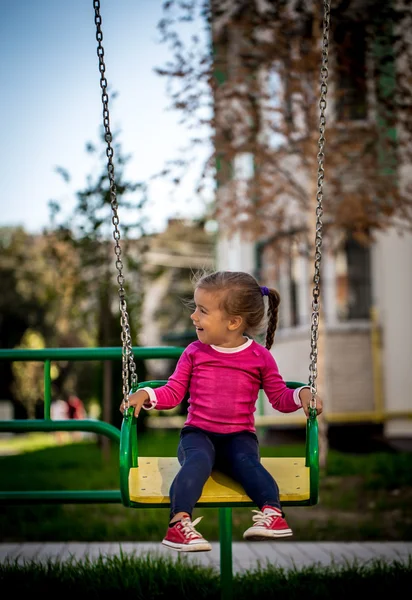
x: 365, y: 340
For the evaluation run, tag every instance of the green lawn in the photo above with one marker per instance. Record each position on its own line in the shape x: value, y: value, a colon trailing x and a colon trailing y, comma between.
x: 148, y: 578
x: 362, y: 497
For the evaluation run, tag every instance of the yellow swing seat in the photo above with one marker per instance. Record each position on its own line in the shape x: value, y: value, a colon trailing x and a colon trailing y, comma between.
x: 146, y: 480
x: 149, y: 483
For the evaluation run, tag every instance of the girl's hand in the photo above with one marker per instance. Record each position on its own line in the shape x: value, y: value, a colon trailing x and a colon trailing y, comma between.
x: 305, y: 396
x: 137, y: 400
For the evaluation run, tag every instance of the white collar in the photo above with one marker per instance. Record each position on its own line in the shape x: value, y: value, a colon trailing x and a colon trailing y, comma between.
x: 233, y: 350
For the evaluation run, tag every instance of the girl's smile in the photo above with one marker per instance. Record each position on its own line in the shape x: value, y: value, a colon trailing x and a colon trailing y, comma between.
x: 213, y: 325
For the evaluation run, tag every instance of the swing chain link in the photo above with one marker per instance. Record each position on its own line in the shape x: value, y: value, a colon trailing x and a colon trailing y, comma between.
x: 128, y: 363
x: 313, y: 370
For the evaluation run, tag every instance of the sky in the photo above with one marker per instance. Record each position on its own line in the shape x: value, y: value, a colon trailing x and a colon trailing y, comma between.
x: 50, y: 104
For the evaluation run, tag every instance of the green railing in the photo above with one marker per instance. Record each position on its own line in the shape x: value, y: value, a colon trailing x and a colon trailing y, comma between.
x: 47, y: 356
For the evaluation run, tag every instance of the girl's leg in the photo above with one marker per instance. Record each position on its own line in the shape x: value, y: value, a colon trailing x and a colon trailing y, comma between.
x: 239, y: 457
x: 196, y: 454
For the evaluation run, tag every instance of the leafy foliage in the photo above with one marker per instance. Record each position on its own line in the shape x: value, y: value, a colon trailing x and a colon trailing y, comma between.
x: 62, y: 287
x: 257, y: 94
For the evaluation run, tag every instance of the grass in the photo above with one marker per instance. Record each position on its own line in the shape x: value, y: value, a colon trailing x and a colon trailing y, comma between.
x: 20, y: 444
x: 362, y: 497
x: 159, y: 577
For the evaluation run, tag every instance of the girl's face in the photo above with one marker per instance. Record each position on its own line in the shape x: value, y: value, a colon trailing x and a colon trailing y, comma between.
x: 213, y: 325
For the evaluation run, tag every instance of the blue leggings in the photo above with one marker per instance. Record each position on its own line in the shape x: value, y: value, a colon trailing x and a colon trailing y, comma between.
x: 235, y: 454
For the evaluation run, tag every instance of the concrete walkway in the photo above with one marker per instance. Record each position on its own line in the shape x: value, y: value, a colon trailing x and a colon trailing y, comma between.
x: 246, y: 556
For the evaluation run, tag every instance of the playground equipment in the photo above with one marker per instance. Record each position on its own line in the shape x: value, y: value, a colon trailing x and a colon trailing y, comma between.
x: 46, y: 356
x: 145, y: 481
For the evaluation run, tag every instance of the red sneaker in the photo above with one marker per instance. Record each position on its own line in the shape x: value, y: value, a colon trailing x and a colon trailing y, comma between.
x: 183, y: 537
x: 267, y: 524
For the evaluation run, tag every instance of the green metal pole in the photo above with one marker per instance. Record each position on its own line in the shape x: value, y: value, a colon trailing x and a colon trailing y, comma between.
x: 60, y: 497
x: 47, y: 388
x: 226, y: 566
x: 261, y: 411
x: 109, y: 353
x: 312, y: 455
x: 92, y: 425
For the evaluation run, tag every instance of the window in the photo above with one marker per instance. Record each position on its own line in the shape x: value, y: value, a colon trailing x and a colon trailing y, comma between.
x: 351, y: 99
x: 353, y: 282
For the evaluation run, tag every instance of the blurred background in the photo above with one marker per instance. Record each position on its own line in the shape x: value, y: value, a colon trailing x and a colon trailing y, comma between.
x: 222, y: 160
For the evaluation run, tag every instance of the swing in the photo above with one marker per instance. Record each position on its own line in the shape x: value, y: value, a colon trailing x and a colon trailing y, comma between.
x: 145, y: 481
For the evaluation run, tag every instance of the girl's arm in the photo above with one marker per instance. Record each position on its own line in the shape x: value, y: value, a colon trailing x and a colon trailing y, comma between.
x: 280, y: 396
x: 166, y: 396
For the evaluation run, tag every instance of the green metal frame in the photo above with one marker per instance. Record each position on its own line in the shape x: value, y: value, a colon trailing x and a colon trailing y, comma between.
x: 127, y: 438
x: 61, y: 496
x: 47, y: 355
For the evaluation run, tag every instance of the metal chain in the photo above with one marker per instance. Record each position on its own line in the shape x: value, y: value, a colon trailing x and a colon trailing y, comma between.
x: 127, y: 351
x: 128, y: 363
x: 313, y: 369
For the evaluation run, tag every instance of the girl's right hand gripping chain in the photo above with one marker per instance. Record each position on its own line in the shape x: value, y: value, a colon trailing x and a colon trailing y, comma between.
x: 137, y: 399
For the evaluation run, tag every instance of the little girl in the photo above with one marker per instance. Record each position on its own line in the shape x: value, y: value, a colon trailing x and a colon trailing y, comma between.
x: 223, y: 372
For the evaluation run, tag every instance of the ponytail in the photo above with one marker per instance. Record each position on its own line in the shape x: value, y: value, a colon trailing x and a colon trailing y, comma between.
x: 272, y: 316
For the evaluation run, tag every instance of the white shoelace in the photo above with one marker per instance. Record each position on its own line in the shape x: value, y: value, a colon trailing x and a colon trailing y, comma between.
x: 260, y: 519
x: 188, y: 527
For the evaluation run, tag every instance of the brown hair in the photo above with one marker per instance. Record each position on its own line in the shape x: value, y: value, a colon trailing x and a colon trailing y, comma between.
x: 244, y: 297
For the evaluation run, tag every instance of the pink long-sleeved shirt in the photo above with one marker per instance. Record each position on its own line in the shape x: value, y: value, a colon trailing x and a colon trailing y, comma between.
x: 223, y: 384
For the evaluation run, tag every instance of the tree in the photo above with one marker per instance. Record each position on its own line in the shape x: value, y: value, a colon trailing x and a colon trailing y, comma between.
x: 89, y: 229
x: 256, y: 91
x: 40, y: 278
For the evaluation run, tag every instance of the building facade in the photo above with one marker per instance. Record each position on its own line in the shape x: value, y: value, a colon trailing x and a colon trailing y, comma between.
x: 365, y: 341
